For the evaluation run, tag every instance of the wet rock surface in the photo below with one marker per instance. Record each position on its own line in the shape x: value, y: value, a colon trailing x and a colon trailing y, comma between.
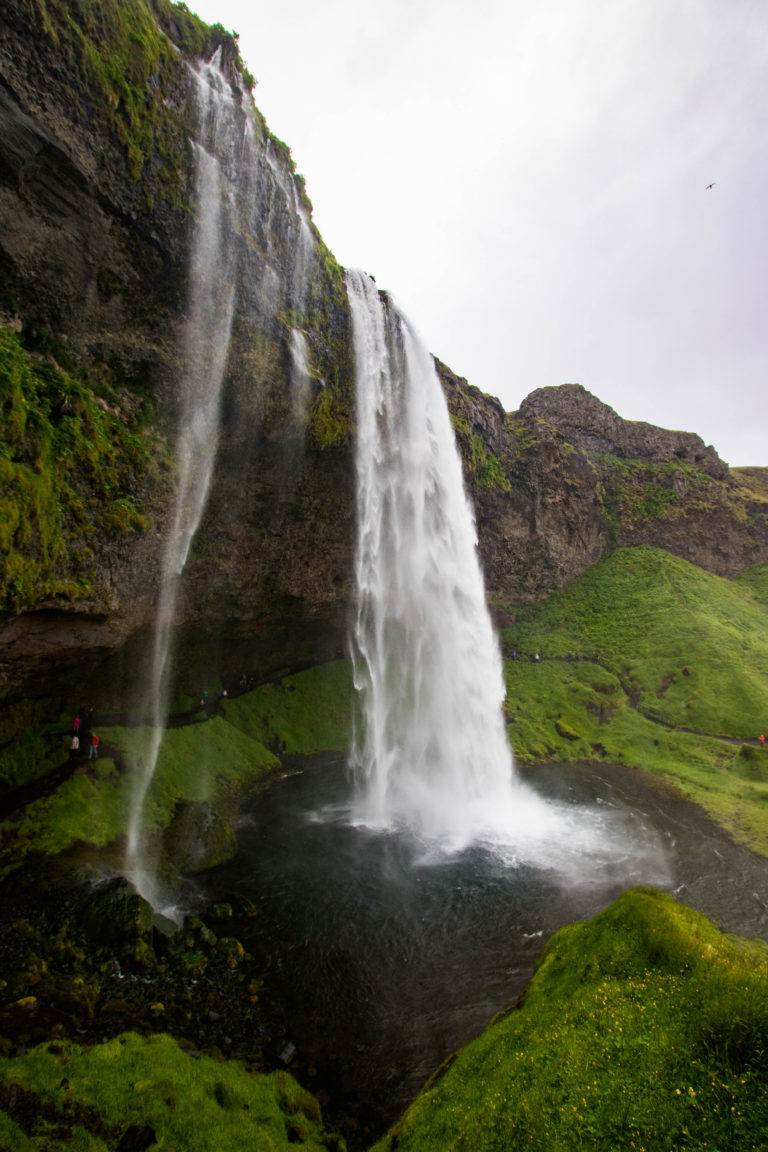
x: 87, y: 963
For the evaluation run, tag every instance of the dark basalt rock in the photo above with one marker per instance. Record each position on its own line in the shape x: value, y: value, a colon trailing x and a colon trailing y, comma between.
x: 116, y: 915
x: 593, y: 427
x: 574, y: 480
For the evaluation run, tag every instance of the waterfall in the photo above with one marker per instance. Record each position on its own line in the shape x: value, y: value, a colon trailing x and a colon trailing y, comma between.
x: 252, y: 230
x: 303, y: 256
x: 432, y: 755
x: 204, y: 353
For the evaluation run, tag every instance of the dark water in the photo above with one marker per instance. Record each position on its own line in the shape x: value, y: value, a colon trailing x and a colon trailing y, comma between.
x: 378, y: 964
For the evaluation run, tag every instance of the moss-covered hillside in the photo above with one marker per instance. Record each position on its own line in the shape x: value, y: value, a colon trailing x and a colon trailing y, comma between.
x: 648, y: 660
x: 56, y: 802
x: 644, y: 1028
x: 148, y: 1092
x: 80, y: 470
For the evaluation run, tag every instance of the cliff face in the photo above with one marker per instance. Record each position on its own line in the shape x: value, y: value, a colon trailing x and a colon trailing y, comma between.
x: 98, y: 136
x: 564, y: 479
x: 98, y: 122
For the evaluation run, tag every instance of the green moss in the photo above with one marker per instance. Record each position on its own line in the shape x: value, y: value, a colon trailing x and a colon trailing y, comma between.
x: 31, y: 744
x: 213, y: 761
x: 88, y: 1098
x: 329, y: 419
x: 69, y: 467
x: 305, y: 713
x: 125, y: 51
x: 636, y: 492
x: 644, y: 1028
x: 523, y: 437
x: 478, y: 461
x: 755, y: 579
x: 326, y: 323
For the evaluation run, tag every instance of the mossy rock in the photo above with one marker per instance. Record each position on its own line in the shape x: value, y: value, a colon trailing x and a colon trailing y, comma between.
x: 132, y: 1088
x: 751, y: 763
x: 198, y: 837
x: 117, y: 916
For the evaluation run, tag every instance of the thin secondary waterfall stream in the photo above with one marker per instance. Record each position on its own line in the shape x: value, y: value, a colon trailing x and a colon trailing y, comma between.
x: 235, y: 170
x: 204, y: 354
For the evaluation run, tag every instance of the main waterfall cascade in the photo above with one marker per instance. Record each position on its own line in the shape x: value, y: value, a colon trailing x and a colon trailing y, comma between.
x: 432, y: 757
x: 235, y: 174
x: 433, y: 753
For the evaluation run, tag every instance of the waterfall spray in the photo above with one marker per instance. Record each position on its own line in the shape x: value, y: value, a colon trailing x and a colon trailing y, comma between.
x: 433, y: 754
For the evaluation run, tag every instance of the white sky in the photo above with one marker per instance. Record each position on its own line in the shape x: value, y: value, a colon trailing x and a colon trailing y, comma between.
x: 528, y: 178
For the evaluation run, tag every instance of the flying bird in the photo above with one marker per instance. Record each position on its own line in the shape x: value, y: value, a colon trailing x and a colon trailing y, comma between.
x: 708, y: 187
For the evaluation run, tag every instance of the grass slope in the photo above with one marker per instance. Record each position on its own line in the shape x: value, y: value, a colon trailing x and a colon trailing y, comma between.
x: 215, y: 760
x: 68, y: 1096
x: 305, y: 713
x: 650, y: 661
x: 644, y: 1028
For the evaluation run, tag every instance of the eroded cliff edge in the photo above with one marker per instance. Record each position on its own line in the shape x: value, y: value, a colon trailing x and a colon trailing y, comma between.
x: 96, y: 217
x: 564, y: 479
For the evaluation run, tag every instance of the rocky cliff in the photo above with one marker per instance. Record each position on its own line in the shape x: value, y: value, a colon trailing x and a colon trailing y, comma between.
x: 98, y: 131
x: 565, y: 479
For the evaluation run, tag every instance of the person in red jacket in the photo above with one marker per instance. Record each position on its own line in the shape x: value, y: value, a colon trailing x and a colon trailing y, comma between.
x: 94, y: 750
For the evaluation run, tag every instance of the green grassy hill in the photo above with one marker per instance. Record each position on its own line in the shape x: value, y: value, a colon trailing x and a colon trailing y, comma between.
x: 649, y: 661
x: 644, y: 1028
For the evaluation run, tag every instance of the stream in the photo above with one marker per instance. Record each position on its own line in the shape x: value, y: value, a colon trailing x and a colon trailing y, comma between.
x: 380, y: 957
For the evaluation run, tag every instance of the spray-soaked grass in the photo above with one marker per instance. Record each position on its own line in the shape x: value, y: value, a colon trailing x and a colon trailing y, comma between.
x: 207, y: 761
x: 216, y: 760
x: 305, y: 713
x: 644, y: 1028
x: 73, y: 1097
x: 649, y: 661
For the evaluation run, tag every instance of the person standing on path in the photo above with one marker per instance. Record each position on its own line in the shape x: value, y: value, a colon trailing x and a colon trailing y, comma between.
x: 94, y: 749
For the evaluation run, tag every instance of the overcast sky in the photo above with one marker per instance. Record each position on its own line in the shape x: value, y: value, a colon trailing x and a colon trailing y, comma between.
x: 528, y: 178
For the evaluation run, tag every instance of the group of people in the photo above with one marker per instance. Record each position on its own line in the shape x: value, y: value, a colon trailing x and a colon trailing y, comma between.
x: 83, y: 735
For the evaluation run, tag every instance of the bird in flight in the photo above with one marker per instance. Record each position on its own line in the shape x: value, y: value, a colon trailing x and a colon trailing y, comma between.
x: 709, y: 186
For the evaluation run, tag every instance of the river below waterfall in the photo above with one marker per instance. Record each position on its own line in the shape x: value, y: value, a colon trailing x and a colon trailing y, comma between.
x: 379, y: 958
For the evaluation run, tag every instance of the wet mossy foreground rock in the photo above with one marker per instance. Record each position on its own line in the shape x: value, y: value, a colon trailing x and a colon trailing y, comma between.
x: 136, y: 1093
x: 645, y: 1028
x: 121, y: 1031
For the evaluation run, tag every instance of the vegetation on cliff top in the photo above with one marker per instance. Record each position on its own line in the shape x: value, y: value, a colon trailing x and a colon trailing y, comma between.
x: 119, y: 46
x: 644, y: 1028
x: 72, y: 468
x: 649, y: 661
